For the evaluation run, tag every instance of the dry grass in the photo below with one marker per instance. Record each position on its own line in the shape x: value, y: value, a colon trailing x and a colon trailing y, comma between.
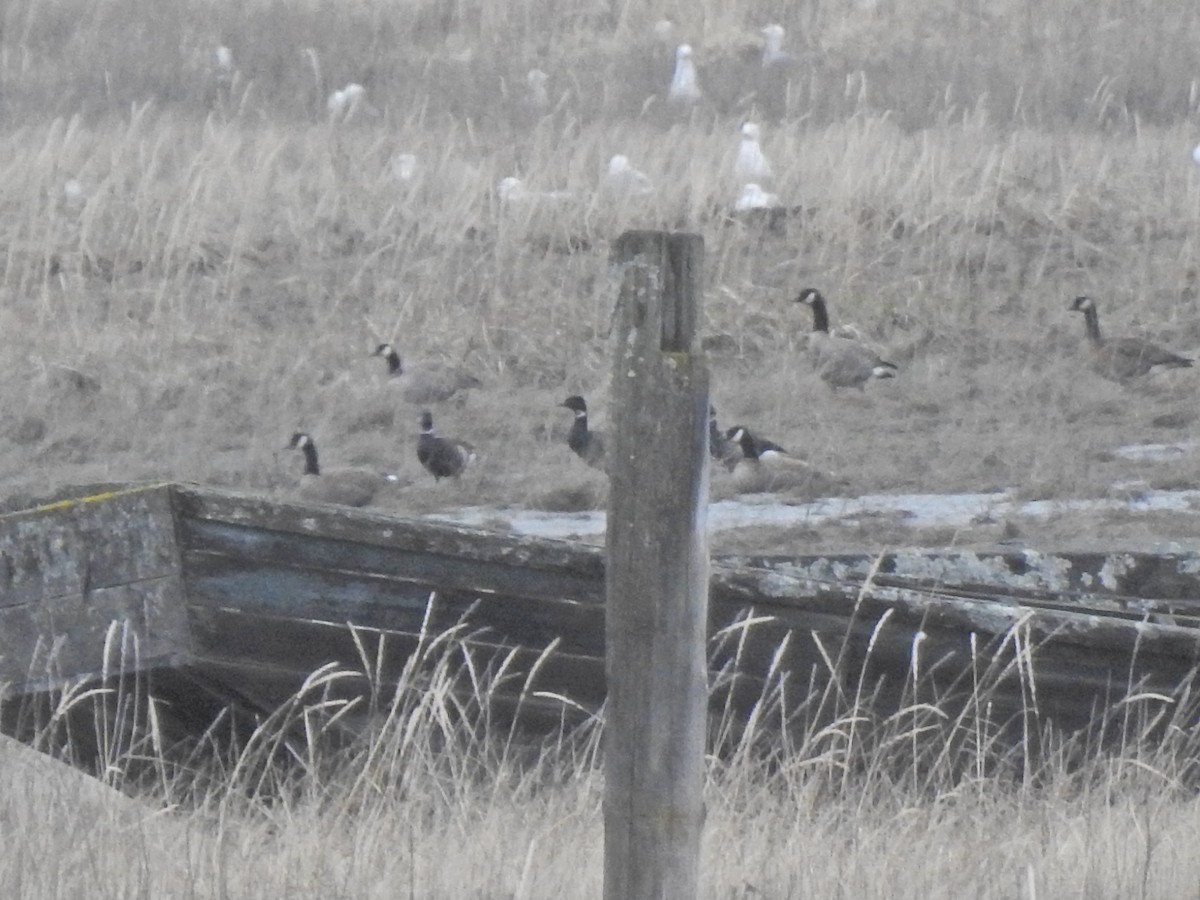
x: 233, y: 258
x: 437, y: 802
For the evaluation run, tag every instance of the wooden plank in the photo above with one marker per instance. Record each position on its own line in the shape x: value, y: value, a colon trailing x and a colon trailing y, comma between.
x: 64, y: 639
x: 359, y: 528
x: 794, y: 598
x: 70, y: 569
x: 387, y: 603
x: 657, y: 586
x: 467, y: 571
x: 1090, y: 577
x: 339, y: 583
x: 74, y: 546
x: 292, y: 649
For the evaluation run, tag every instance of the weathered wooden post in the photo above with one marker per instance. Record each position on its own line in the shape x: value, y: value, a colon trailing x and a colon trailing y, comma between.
x: 657, y: 574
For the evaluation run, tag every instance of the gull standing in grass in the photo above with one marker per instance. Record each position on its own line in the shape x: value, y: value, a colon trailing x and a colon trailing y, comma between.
x: 537, y: 95
x: 622, y: 179
x: 773, y: 53
x: 404, y: 166
x: 74, y: 196
x: 513, y: 191
x: 543, y: 218
x: 753, y: 197
x: 516, y: 199
x: 774, y: 94
x: 751, y: 164
x: 684, y: 86
x: 343, y: 104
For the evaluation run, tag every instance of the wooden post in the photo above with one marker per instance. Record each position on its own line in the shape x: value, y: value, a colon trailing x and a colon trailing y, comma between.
x: 657, y: 574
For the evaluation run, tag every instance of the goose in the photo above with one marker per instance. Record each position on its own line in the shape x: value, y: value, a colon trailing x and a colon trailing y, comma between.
x: 684, y: 87
x: 842, y: 362
x: 720, y: 447
x: 431, y: 383
x: 723, y: 447
x: 624, y: 180
x: 764, y: 466
x: 347, y: 487
x: 442, y: 457
x: 587, y: 444
x: 767, y: 450
x: 1122, y: 359
x: 751, y: 164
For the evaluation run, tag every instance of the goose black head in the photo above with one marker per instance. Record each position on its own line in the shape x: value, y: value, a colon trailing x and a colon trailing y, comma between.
x: 1082, y: 304
x: 575, y: 403
x: 388, y: 352
x: 302, y: 442
x: 426, y: 422
x: 809, y: 296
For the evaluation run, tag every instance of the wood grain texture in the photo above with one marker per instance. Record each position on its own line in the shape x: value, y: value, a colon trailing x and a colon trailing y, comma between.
x: 253, y: 594
x: 71, y: 569
x: 657, y: 576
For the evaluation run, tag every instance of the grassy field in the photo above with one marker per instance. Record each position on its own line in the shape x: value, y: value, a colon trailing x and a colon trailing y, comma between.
x: 197, y: 262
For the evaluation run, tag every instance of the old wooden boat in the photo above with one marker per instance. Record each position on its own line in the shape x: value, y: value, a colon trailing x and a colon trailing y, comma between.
x: 222, y: 604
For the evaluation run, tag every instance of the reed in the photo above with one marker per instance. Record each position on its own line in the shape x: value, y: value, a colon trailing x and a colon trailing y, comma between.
x: 438, y: 796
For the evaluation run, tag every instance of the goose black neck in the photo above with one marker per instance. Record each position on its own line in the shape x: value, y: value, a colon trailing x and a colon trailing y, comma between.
x: 393, y: 363
x: 578, y: 438
x: 1092, y: 319
x: 746, y: 442
x: 310, y: 459
x: 820, y: 315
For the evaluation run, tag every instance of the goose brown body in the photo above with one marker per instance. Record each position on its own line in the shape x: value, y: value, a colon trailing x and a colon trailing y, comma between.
x: 427, y: 383
x: 765, y: 466
x: 841, y: 362
x: 346, y: 487
x: 1126, y: 358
